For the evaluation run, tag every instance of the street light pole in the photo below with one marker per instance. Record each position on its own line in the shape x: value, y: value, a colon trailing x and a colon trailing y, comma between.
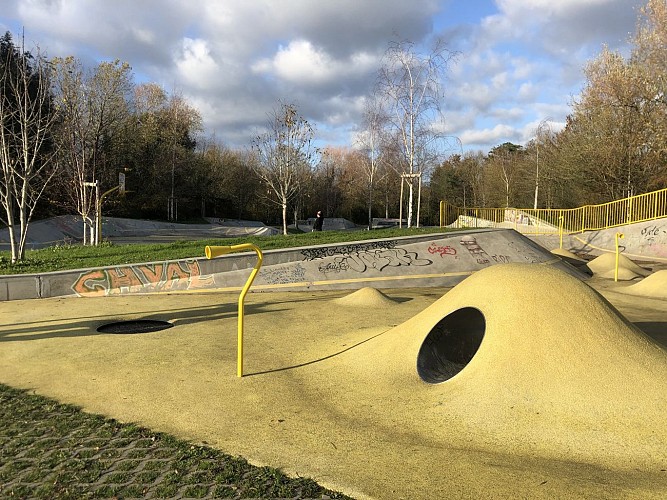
x: 543, y: 123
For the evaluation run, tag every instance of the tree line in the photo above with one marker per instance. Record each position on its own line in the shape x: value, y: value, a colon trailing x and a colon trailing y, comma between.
x: 67, y: 132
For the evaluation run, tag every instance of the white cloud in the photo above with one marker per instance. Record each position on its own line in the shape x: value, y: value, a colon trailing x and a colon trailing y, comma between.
x: 302, y: 63
x: 195, y: 64
x: 497, y: 135
x: 235, y: 59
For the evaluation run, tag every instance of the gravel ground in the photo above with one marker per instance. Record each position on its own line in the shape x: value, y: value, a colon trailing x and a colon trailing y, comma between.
x: 51, y: 450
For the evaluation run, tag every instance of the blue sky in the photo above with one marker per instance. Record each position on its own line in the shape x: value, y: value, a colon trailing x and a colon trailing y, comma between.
x: 520, y: 61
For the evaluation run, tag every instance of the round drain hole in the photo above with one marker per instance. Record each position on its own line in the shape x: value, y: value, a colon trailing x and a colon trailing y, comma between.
x: 135, y: 326
x: 450, y: 345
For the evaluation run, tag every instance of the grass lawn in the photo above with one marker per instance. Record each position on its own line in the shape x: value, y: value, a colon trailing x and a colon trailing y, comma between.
x: 64, y: 257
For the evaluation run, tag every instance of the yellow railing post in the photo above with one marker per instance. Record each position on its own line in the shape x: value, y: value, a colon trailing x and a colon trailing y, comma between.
x: 618, y: 236
x: 638, y: 208
x: 442, y: 213
x: 560, y: 230
x: 221, y: 250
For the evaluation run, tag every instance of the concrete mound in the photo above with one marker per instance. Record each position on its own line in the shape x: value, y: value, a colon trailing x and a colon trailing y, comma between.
x: 365, y: 297
x: 654, y: 286
x: 627, y: 269
x: 566, y: 253
x: 530, y: 360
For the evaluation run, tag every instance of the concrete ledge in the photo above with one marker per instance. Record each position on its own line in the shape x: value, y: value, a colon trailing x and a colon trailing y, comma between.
x: 442, y: 259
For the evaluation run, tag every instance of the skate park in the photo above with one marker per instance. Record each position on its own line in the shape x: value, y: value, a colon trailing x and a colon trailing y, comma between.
x: 467, y: 364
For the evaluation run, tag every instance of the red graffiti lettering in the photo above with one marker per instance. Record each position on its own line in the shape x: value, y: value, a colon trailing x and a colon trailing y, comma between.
x: 442, y: 251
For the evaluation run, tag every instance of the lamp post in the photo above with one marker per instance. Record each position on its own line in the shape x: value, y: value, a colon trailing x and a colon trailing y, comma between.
x: 542, y: 124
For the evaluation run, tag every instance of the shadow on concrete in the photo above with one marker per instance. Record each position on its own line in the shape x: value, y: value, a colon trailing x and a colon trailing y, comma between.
x: 86, y: 327
x: 307, y: 363
x: 657, y: 330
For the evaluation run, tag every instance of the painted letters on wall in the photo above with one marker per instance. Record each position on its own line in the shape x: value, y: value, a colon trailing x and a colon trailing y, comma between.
x: 160, y: 277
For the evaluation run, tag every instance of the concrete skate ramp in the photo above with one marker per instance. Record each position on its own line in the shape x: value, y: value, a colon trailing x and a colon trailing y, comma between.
x: 530, y: 385
x: 527, y: 359
x: 365, y: 297
x: 430, y: 260
x: 66, y: 229
x: 604, y: 266
x: 654, y: 285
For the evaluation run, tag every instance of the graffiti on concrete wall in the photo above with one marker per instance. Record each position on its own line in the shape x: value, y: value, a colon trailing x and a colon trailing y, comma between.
x: 653, y: 234
x: 321, y: 253
x: 292, y: 274
x: 526, y: 254
x: 378, y: 259
x: 476, y: 251
x: 501, y: 259
x: 434, y: 248
x: 160, y: 277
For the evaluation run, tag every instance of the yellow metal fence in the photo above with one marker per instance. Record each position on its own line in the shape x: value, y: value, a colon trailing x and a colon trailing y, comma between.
x: 640, y: 208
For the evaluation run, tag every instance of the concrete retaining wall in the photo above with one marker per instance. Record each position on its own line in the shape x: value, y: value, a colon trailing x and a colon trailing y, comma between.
x: 427, y: 260
x: 642, y: 241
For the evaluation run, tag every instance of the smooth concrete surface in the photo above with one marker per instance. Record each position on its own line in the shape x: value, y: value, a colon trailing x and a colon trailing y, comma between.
x: 641, y: 241
x: 425, y: 260
x: 68, y: 229
x: 565, y: 397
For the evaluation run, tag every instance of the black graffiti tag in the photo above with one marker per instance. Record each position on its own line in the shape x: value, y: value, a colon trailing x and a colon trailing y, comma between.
x: 294, y: 274
x: 321, y: 253
x: 377, y: 259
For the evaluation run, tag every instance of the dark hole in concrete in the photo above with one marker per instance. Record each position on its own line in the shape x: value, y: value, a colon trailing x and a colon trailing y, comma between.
x: 135, y: 326
x: 450, y: 345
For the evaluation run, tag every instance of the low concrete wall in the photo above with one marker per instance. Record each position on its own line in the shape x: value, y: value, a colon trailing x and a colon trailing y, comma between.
x: 427, y: 260
x: 642, y: 241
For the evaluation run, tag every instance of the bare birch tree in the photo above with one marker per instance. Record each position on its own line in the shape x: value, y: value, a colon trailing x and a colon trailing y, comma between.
x: 282, y: 153
x: 26, y: 152
x: 411, y: 85
x: 371, y: 142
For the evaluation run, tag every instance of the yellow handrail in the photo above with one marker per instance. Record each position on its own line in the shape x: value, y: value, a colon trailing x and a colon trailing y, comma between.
x: 616, y: 238
x: 215, y: 251
x: 638, y: 208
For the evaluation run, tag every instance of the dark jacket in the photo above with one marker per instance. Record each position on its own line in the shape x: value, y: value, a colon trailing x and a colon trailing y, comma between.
x: 317, y: 225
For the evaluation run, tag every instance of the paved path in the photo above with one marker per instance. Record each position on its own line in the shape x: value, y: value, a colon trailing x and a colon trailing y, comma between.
x: 50, y: 450
x: 311, y: 402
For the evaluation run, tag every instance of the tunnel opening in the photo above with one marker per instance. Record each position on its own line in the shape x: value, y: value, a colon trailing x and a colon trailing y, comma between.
x: 450, y: 345
x: 134, y: 326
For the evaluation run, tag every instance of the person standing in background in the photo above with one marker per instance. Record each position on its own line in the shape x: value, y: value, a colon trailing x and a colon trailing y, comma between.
x: 319, y: 220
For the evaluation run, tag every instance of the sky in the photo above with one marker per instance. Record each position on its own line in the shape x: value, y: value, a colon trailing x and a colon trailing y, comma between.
x: 519, y: 62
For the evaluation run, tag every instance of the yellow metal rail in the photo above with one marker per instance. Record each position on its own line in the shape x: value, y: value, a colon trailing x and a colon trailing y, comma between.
x: 639, y: 208
x: 216, y: 251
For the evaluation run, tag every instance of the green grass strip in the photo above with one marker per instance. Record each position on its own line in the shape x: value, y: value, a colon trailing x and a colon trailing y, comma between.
x: 67, y: 257
x: 51, y: 450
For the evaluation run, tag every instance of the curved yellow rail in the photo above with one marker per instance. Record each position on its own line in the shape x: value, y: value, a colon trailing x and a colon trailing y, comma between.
x: 216, y: 251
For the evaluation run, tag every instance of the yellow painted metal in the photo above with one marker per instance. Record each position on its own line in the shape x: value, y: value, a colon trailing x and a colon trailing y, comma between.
x: 442, y: 213
x: 639, y: 208
x: 617, y: 237
x: 560, y: 230
x: 215, y: 251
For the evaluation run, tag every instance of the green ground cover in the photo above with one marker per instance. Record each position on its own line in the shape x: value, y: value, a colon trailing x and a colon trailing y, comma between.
x: 52, y: 450
x: 65, y: 257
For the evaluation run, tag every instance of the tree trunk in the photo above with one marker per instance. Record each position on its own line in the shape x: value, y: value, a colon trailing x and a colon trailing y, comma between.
x: 370, y: 204
x: 284, y: 204
x: 410, y: 199
x: 10, y: 228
